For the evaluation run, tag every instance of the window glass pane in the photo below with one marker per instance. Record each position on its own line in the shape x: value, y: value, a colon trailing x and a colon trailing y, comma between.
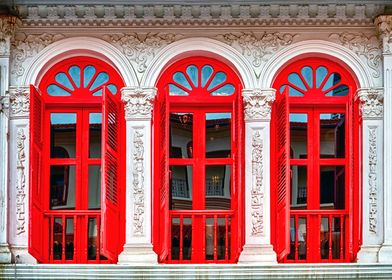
x: 341, y: 90
x: 94, y: 187
x: 298, y: 187
x: 302, y: 238
x: 100, y: 80
x: 307, y: 74
x: 226, y: 90
x: 95, y: 127
x: 69, y: 239
x: 187, y: 239
x: 74, y: 72
x: 210, y: 235
x: 218, y: 135
x: 295, y: 79
x: 218, y: 193
x: 55, y: 90
x: 89, y: 72
x: 93, y: 250
x: 57, y: 239
x: 332, y: 135
x: 193, y: 72
x: 298, y: 135
x: 175, y: 90
x: 180, y: 79
x: 218, y: 79
x: 181, y: 187
x: 175, y: 238
x: 181, y: 135
x: 324, y: 238
x: 63, y: 80
x: 206, y: 73
x: 333, y: 79
x: 298, y: 238
x: 62, y: 187
x: 332, y: 187
x: 62, y: 135
x: 321, y: 73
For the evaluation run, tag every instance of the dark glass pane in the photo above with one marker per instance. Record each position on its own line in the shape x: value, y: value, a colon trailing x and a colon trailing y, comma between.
x: 94, y: 187
x: 218, y: 135
x: 332, y: 182
x: 298, y: 135
x: 337, y: 238
x: 69, y: 239
x: 209, y: 234
x: 57, y: 239
x: 341, y: 90
x: 93, y: 250
x: 218, y: 195
x: 95, y: 127
x: 175, y: 239
x: 181, y: 135
x: 302, y: 238
x: 298, y: 199
x: 181, y: 187
x: 222, y: 235
x: 187, y: 239
x: 291, y: 255
x: 324, y: 238
x: 332, y: 135
x: 62, y: 187
x: 62, y: 135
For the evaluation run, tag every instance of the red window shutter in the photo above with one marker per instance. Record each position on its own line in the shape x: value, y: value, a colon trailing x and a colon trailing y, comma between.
x: 164, y: 219
x: 36, y: 217
x: 110, y: 200
x: 283, y: 176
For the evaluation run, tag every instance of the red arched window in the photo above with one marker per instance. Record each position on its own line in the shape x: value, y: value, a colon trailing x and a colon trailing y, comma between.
x: 314, y: 141
x: 76, y: 163
x: 198, y: 163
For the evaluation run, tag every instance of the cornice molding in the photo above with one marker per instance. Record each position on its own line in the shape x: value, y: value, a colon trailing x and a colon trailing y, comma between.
x: 372, y: 102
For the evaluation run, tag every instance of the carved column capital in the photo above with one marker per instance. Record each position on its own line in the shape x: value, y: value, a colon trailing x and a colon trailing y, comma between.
x: 19, y: 102
x: 138, y: 102
x: 7, y: 30
x: 257, y: 103
x: 384, y: 29
x: 372, y: 102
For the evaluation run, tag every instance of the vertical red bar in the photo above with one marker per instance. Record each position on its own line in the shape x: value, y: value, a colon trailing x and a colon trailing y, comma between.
x: 63, y: 238
x: 169, y: 258
x: 341, y: 236
x: 296, y: 229
x: 51, y: 237
x: 227, y: 238
x: 97, y: 257
x: 215, y: 238
x: 330, y: 237
x: 181, y: 237
x: 76, y: 246
x: 204, y: 237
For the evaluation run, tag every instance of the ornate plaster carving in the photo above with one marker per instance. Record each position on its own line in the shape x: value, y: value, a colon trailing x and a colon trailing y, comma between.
x: 5, y: 104
x: 372, y: 179
x: 258, y: 48
x: 20, y: 182
x: 7, y: 29
x: 20, y: 102
x: 138, y: 182
x: 25, y: 47
x: 138, y: 102
x: 257, y: 103
x: 384, y: 28
x: 371, y: 103
x: 366, y: 47
x: 257, y: 194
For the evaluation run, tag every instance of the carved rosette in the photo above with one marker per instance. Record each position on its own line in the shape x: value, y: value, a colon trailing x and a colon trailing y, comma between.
x: 7, y: 30
x: 19, y: 102
x: 138, y: 102
x: 138, y: 182
x: 257, y: 194
x: 20, y: 182
x: 384, y: 26
x: 371, y: 103
x: 257, y: 103
x: 372, y: 179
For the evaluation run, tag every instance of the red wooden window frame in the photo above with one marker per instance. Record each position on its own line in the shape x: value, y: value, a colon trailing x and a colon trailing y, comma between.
x: 315, y: 100
x: 83, y: 98
x: 200, y: 99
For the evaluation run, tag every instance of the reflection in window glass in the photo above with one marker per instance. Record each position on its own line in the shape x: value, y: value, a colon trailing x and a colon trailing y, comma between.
x: 94, y: 187
x: 218, y: 135
x: 226, y: 90
x: 89, y: 72
x: 298, y: 187
x: 298, y: 239
x: 332, y: 135
x: 217, y: 187
x: 206, y: 73
x: 74, y: 72
x: 63, y: 80
x: 95, y: 126
x: 324, y: 238
x: 295, y: 79
x: 63, y: 135
x: 57, y: 238
x: 101, y: 79
x: 332, y: 182
x: 341, y: 90
x: 218, y: 79
x: 307, y: 74
x: 321, y: 74
x: 333, y: 79
x: 69, y: 239
x: 193, y: 72
x: 181, y: 135
x: 298, y: 135
x: 181, y: 187
x: 62, y: 187
x: 180, y: 79
x: 92, y: 239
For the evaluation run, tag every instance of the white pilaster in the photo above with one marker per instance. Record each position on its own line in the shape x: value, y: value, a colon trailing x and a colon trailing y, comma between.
x: 372, y: 176
x: 7, y: 28
x: 384, y: 25
x: 138, y: 111
x: 257, y: 105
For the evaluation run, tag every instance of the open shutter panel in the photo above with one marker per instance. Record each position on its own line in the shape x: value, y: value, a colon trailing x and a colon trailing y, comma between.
x: 164, y: 219
x: 349, y: 172
x: 110, y: 200
x: 283, y: 176
x: 36, y: 218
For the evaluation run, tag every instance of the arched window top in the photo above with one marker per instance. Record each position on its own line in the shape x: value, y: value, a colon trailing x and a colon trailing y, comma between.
x: 80, y: 78
x: 199, y: 77
x: 315, y: 78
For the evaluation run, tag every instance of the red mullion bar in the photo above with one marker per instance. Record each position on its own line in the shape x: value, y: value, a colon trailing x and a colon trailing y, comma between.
x: 332, y: 161
x: 51, y: 237
x: 170, y: 239
x: 63, y: 238
x: 319, y: 212
x: 215, y: 238
x: 181, y: 241
x: 218, y: 161
x: 330, y: 217
x: 227, y: 238
x: 296, y: 161
x: 296, y: 228
x: 62, y: 161
x: 97, y: 254
x: 181, y: 161
x: 341, y: 237
x: 204, y: 236
x: 93, y: 161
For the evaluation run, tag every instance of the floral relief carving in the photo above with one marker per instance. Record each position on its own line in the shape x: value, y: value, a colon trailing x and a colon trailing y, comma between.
x: 19, y: 101
x: 257, y: 103
x: 20, y: 182
x: 7, y: 29
x: 257, y: 194
x: 366, y: 47
x: 372, y: 180
x: 384, y: 25
x: 138, y: 181
x: 371, y: 102
x: 138, y: 102
x: 26, y: 47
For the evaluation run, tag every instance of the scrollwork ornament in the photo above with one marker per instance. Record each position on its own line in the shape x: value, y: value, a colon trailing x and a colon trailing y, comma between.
x: 138, y: 102
x: 19, y: 102
x: 372, y: 179
x: 257, y: 194
x: 257, y: 103
x: 20, y: 182
x: 371, y: 103
x: 138, y: 182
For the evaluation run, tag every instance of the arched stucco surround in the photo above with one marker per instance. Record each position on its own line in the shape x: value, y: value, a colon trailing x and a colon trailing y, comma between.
x: 323, y: 48
x: 199, y: 46
x: 79, y: 46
